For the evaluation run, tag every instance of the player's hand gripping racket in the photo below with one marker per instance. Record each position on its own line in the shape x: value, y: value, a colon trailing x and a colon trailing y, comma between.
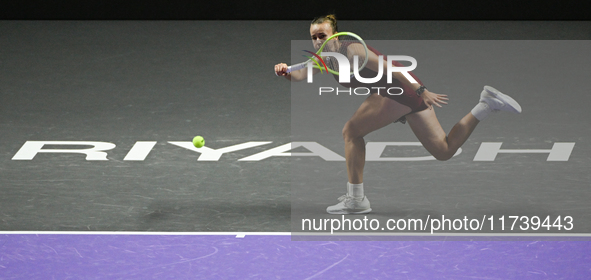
x: 348, y: 44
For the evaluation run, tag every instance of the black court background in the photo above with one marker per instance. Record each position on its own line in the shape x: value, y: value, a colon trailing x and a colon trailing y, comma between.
x: 127, y: 81
x: 289, y: 10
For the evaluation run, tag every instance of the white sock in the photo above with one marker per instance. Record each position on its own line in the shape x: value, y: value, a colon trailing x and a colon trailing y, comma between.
x: 355, y: 190
x: 481, y: 111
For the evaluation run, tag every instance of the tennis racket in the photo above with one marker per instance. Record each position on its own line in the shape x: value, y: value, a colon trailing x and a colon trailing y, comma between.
x: 348, y: 44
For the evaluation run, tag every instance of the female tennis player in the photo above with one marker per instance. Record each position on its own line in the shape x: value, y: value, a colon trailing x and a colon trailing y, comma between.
x: 415, y: 105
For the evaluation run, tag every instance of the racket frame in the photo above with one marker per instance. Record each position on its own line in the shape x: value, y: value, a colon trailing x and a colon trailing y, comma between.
x: 302, y: 65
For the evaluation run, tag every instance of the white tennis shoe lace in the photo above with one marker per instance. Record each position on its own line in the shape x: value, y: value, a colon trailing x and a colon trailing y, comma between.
x: 348, y: 200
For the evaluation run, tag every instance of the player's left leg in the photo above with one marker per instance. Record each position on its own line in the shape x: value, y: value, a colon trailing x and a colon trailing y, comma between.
x: 429, y: 132
x: 426, y: 127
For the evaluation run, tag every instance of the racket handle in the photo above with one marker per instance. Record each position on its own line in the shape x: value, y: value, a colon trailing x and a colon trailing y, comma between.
x: 287, y: 71
x: 296, y: 67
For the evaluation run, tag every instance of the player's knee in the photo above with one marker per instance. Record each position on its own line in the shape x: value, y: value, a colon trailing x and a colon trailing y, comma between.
x: 443, y: 155
x: 349, y: 131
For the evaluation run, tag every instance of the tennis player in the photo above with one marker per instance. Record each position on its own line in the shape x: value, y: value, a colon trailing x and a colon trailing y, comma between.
x: 415, y: 105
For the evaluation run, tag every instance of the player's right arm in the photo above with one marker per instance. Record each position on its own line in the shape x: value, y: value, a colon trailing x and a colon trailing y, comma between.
x: 296, y: 76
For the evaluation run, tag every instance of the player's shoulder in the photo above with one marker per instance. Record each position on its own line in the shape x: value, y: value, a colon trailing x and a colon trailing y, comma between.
x: 374, y: 50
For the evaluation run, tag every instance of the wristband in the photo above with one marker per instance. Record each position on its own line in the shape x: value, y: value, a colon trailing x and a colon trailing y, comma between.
x: 420, y: 90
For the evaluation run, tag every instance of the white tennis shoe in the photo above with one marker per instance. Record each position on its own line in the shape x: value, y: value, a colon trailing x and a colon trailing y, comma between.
x: 497, y: 101
x: 350, y: 205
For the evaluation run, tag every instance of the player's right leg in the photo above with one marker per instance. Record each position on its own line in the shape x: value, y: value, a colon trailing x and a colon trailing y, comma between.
x: 374, y: 113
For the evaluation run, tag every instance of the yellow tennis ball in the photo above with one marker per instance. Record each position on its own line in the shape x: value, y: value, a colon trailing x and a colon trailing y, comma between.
x: 198, y: 141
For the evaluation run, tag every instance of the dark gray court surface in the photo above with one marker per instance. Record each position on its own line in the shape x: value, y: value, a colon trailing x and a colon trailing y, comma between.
x: 162, y: 82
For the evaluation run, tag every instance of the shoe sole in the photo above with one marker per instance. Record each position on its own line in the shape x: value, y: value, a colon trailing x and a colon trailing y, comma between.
x: 349, y: 212
x: 510, y: 102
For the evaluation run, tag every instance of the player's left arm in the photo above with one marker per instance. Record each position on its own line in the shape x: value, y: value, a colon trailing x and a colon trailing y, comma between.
x: 430, y: 98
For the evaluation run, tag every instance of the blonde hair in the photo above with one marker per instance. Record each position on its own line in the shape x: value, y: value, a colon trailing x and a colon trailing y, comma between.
x: 332, y: 19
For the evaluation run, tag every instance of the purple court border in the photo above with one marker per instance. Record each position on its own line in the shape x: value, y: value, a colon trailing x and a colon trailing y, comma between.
x: 244, y: 256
